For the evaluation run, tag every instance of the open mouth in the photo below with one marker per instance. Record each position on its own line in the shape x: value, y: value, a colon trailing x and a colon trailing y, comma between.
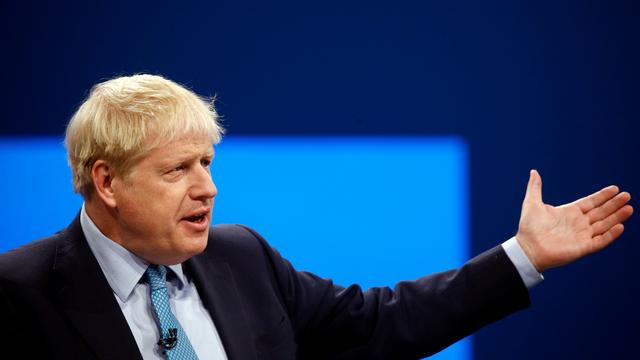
x: 196, y: 218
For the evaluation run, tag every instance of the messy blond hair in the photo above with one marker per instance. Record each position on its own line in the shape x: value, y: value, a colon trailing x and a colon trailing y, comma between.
x: 125, y: 117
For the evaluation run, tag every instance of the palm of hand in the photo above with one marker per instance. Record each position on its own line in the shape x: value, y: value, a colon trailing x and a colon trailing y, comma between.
x: 553, y: 236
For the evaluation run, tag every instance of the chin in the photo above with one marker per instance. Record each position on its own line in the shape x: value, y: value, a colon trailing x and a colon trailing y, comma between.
x: 196, y: 246
x: 183, y: 254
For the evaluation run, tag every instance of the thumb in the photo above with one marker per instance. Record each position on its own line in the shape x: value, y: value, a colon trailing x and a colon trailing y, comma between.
x: 534, y: 188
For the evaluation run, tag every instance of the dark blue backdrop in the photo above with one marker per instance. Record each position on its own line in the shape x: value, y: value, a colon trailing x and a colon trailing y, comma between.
x: 551, y: 85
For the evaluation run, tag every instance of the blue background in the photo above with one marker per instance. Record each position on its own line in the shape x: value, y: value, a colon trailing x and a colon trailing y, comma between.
x: 545, y: 84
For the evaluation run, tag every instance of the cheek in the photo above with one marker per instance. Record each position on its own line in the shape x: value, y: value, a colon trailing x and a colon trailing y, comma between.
x: 151, y: 206
x: 157, y: 214
x: 130, y: 203
x: 138, y: 212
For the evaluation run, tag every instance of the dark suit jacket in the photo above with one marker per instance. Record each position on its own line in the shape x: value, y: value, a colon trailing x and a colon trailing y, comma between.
x: 55, y: 303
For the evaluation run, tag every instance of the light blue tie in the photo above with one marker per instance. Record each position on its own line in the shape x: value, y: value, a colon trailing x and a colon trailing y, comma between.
x: 173, y: 340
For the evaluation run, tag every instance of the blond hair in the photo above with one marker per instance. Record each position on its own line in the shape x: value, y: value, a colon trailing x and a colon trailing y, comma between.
x: 126, y: 117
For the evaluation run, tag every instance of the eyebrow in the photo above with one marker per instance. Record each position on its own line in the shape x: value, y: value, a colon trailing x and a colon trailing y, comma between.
x: 172, y: 159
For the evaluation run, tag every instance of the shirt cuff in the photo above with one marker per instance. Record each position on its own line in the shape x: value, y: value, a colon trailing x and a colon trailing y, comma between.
x: 530, y: 276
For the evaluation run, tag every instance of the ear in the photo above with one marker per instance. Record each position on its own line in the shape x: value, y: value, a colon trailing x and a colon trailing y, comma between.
x: 102, y: 175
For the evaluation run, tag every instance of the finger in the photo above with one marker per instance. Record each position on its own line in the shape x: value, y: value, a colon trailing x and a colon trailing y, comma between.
x: 534, y: 188
x: 618, y: 217
x: 602, y: 240
x: 596, y: 199
x: 608, y: 208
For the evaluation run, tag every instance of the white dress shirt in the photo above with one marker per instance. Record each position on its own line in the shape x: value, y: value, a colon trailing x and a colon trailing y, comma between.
x: 124, y: 270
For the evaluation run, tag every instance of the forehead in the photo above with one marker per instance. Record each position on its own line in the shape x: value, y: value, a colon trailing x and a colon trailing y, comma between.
x: 181, y: 148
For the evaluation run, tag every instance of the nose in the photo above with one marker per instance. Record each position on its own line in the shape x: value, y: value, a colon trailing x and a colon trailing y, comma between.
x: 203, y: 187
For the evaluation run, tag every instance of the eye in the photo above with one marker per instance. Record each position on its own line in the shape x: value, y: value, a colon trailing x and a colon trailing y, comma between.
x: 176, y: 169
x: 205, y: 162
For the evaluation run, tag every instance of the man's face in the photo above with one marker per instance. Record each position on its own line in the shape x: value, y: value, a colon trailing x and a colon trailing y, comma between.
x: 164, y: 205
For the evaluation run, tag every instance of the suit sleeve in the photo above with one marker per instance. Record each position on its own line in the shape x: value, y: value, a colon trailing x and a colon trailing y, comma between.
x: 412, y: 320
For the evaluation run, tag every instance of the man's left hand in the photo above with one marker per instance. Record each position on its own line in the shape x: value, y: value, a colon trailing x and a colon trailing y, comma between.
x: 554, y: 236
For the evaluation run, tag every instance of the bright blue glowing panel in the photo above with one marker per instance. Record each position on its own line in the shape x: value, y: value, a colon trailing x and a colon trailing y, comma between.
x: 367, y: 210
x: 37, y: 196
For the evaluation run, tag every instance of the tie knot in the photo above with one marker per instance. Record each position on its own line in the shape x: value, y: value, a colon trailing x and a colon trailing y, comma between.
x: 156, y: 276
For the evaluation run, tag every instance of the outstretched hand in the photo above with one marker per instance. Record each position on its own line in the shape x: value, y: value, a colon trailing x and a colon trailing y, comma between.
x: 554, y: 236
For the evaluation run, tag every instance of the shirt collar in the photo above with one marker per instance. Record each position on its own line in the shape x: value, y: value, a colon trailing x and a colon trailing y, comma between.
x: 122, y: 268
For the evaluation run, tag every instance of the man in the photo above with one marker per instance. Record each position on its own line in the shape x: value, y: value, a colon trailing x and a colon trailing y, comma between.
x: 139, y: 273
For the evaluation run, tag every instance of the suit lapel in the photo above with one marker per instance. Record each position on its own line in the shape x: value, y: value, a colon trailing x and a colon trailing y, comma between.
x: 87, y: 299
x: 217, y: 288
